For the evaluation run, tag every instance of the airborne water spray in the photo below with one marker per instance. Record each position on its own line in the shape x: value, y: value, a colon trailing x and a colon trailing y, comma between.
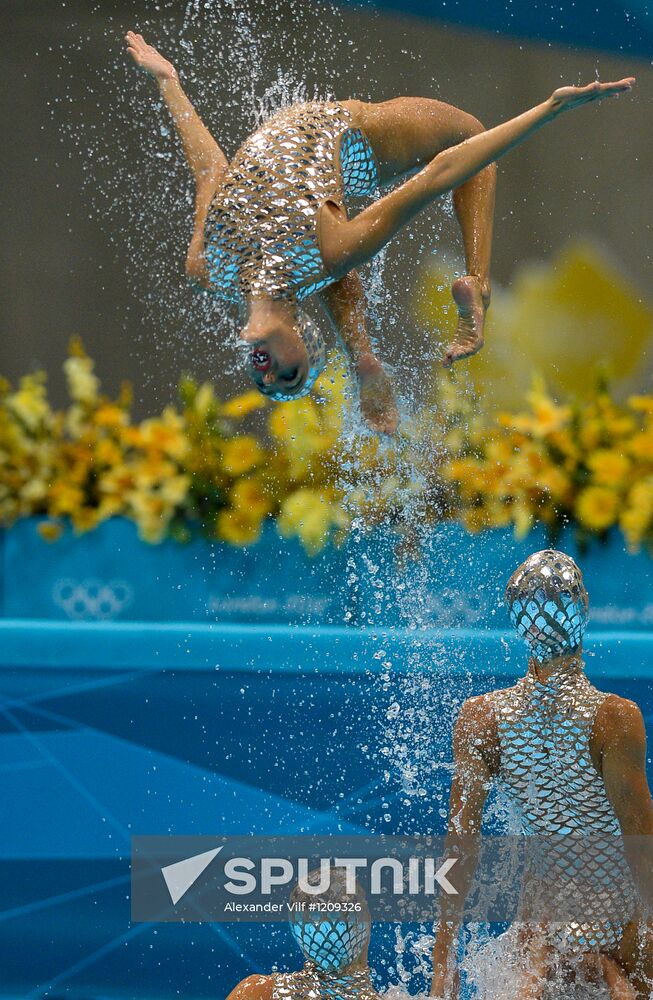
x: 241, y: 63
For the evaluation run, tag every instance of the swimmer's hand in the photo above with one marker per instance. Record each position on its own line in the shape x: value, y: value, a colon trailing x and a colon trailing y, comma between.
x: 147, y: 57
x: 566, y: 98
x: 378, y: 404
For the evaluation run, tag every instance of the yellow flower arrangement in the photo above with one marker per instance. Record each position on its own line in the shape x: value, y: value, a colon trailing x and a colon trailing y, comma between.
x: 224, y: 468
x: 588, y: 465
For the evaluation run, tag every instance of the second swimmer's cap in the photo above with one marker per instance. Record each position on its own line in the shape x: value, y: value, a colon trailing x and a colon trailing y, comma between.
x: 331, y: 926
x: 548, y: 603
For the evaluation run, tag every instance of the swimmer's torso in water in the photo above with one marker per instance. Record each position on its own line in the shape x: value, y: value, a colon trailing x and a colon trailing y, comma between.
x: 261, y: 234
x: 546, y: 767
x: 312, y: 984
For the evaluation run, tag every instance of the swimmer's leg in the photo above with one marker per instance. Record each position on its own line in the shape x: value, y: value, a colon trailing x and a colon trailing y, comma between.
x: 348, y: 243
x: 346, y: 308
x: 408, y: 132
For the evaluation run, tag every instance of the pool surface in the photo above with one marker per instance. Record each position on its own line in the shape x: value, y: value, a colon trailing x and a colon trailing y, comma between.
x: 110, y: 730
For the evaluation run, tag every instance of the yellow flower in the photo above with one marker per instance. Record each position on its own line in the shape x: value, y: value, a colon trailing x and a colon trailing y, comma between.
x: 118, y: 480
x: 110, y: 415
x: 554, y: 481
x: 165, y: 434
x: 522, y: 518
x: 640, y: 446
x: 548, y: 415
x: 64, y: 497
x: 174, y: 490
x: 597, y: 507
x: 636, y: 520
x: 30, y: 403
x: 204, y: 401
x: 50, y: 530
x: 609, y: 467
x: 108, y: 453
x: 643, y: 403
x: 309, y: 514
x: 34, y: 490
x: 565, y: 317
x: 152, y: 470
x: 86, y: 518
x: 241, y: 454
x: 83, y: 384
x: 238, y: 527
x: 590, y: 433
x: 152, y: 516
x: 249, y: 495
x: 242, y: 406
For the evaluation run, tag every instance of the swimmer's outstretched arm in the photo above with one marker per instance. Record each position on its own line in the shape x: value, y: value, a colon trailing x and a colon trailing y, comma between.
x: 475, y: 754
x: 345, y: 305
x: 350, y: 243
x: 203, y: 155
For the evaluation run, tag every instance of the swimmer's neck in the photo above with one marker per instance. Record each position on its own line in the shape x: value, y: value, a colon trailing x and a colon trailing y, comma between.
x: 542, y: 671
x: 358, y: 965
x: 264, y: 312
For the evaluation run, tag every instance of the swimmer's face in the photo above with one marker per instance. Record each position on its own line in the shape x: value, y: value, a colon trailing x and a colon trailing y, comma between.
x: 277, y: 360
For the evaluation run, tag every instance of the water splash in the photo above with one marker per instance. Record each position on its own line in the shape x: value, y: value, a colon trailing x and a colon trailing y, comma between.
x: 253, y: 50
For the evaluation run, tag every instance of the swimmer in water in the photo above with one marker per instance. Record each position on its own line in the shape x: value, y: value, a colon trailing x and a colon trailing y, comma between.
x: 272, y: 227
x: 334, y: 946
x: 572, y: 759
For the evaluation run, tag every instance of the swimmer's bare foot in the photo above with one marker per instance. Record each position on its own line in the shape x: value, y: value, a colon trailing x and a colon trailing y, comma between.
x: 472, y: 305
x: 378, y: 404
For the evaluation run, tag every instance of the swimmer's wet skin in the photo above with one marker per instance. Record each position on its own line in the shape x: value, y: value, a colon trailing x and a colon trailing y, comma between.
x: 572, y: 760
x: 271, y: 228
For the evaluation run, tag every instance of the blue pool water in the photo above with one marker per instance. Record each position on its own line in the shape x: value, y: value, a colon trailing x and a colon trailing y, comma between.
x: 110, y: 730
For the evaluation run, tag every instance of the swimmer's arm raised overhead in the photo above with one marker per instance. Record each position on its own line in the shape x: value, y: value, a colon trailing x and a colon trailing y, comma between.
x: 349, y: 243
x: 475, y: 755
x: 203, y: 155
x: 345, y: 305
x: 622, y: 736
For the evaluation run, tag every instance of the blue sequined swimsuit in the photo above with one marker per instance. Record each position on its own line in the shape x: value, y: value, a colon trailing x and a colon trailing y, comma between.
x: 311, y: 984
x: 544, y: 731
x: 261, y: 234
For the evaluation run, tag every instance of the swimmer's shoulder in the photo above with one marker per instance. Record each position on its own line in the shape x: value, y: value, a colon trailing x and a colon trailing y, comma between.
x: 618, y: 722
x: 254, y: 988
x: 476, y: 730
x: 477, y: 710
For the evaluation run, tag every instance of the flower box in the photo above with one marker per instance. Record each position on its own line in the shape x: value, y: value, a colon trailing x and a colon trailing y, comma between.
x: 110, y: 575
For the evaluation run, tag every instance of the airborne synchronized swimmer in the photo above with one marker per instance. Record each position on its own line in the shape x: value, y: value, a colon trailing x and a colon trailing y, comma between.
x: 272, y: 227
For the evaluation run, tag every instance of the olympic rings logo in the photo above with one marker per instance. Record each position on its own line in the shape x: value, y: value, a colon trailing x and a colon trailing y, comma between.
x: 92, y: 599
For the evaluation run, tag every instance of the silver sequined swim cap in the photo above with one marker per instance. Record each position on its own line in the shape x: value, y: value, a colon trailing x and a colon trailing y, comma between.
x: 332, y: 940
x: 548, y: 604
x: 316, y: 351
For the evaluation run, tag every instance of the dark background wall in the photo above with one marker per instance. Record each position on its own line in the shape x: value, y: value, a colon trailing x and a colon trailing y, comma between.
x: 95, y: 214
